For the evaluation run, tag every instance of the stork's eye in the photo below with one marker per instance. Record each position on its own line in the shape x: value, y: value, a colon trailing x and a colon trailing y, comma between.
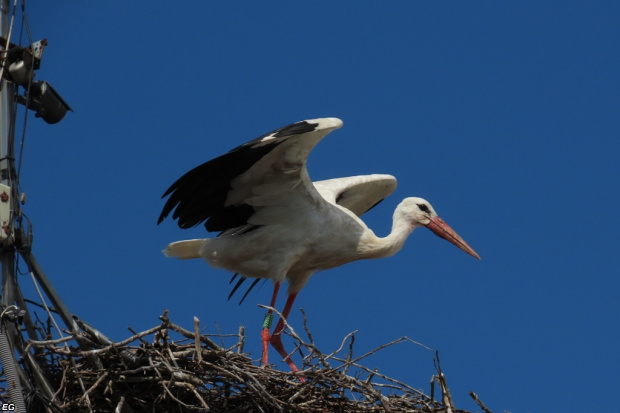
x: 423, y: 208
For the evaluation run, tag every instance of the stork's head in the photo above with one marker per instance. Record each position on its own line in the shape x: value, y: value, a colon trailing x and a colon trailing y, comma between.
x: 419, y: 212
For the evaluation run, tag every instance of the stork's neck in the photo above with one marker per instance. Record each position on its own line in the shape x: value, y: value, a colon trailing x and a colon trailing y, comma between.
x: 378, y: 247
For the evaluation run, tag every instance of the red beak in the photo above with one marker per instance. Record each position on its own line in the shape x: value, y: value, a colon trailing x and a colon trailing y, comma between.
x: 443, y: 230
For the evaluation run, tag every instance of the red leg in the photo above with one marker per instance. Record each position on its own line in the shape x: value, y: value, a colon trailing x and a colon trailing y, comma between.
x: 267, y: 324
x: 276, y: 338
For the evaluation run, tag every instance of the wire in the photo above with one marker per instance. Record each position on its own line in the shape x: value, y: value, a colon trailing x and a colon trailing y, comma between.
x: 6, y: 310
x: 47, y: 309
x: 26, y: 26
x: 25, y: 20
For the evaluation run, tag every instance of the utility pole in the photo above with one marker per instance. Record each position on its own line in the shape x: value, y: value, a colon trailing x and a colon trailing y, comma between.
x: 8, y: 330
x: 17, y: 65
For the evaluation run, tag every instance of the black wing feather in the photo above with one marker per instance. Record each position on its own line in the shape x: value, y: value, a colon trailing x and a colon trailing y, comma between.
x: 200, y: 194
x: 250, y: 289
x: 238, y: 284
x: 241, y: 280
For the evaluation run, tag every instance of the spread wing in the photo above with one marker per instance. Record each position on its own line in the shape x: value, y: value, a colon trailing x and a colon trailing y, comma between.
x: 249, y: 184
x: 359, y: 194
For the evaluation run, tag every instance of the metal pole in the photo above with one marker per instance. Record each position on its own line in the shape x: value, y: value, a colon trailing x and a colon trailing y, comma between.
x: 7, y: 251
x: 8, y: 332
x: 51, y: 293
x: 6, y: 104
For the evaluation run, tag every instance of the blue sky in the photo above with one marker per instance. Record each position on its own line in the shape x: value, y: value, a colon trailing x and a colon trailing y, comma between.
x: 504, y: 115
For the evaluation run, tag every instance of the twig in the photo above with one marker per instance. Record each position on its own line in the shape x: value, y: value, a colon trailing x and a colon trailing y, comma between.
x: 166, y: 385
x: 41, y: 343
x: 190, y: 335
x: 97, y: 383
x: 241, y: 339
x: 446, y: 397
x: 204, y: 404
x: 103, y: 349
x: 477, y: 400
x: 119, y: 406
x: 197, y: 339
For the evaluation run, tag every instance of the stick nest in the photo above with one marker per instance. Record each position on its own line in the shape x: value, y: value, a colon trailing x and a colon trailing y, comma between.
x: 152, y: 372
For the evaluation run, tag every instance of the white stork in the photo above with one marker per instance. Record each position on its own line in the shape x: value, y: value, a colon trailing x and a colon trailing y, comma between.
x: 275, y: 223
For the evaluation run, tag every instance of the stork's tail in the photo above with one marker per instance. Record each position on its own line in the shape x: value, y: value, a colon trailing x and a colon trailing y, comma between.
x: 184, y: 250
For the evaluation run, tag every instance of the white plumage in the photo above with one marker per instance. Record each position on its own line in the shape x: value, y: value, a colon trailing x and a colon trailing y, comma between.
x: 275, y: 223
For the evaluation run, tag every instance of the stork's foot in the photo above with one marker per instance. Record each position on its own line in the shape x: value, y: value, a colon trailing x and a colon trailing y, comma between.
x: 275, y: 339
x: 276, y: 342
